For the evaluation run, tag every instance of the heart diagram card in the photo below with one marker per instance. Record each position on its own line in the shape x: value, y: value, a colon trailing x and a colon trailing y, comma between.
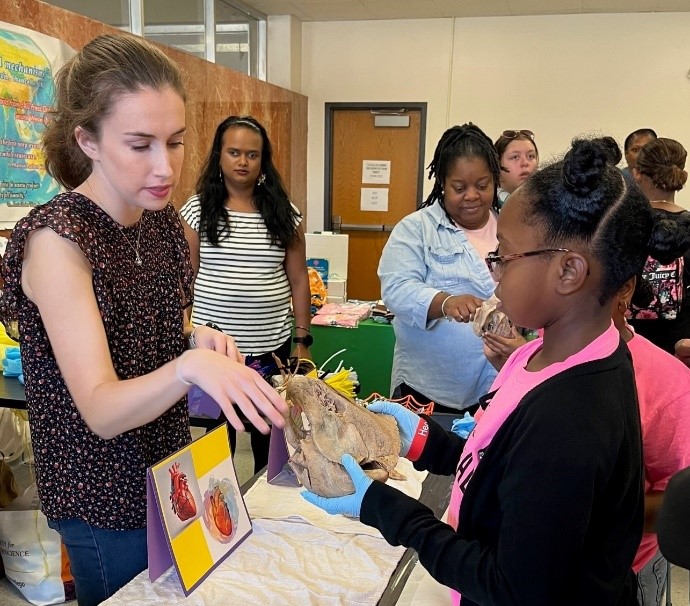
x: 196, y: 513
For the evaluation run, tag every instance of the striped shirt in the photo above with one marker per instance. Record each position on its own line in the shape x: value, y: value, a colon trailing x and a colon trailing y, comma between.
x: 241, y: 284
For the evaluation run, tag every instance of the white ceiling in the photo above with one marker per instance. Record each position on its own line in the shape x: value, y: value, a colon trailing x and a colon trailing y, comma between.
x: 347, y: 10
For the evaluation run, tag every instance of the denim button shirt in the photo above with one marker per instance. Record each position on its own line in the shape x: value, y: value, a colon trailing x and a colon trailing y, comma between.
x: 443, y: 360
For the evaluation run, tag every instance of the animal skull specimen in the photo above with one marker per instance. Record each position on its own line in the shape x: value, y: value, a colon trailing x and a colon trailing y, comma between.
x: 322, y: 425
x: 489, y: 319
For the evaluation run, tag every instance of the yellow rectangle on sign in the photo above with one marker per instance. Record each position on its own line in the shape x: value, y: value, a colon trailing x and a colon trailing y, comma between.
x: 192, y: 554
x: 211, y: 451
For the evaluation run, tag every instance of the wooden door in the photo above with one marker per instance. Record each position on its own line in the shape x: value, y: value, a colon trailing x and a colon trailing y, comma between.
x: 363, y: 155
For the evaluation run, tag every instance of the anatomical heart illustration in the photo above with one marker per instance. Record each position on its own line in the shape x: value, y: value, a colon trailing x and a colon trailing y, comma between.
x: 220, y: 509
x: 183, y: 503
x: 179, y: 492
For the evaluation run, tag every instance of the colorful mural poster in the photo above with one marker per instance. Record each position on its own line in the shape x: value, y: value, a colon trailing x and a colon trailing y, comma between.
x: 28, y: 64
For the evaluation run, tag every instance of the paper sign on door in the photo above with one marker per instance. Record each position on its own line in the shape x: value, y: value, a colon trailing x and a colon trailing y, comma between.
x: 196, y: 514
x: 374, y: 198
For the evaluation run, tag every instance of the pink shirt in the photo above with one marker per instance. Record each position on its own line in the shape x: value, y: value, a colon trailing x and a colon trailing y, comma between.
x: 513, y: 382
x: 484, y: 239
x: 663, y: 389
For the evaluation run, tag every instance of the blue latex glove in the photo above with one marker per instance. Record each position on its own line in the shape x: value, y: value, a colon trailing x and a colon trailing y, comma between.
x: 407, y: 421
x: 463, y: 427
x: 351, y: 504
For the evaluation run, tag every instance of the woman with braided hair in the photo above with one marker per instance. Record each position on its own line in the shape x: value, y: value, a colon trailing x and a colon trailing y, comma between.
x: 433, y: 275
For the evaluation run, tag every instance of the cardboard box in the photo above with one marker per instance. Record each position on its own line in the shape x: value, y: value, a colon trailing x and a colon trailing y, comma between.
x: 332, y: 247
x: 337, y: 288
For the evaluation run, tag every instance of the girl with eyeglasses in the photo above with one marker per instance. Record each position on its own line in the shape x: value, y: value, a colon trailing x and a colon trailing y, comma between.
x: 519, y: 159
x: 547, y: 504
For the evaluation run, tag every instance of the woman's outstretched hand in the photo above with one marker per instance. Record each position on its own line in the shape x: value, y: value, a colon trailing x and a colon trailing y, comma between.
x: 230, y: 383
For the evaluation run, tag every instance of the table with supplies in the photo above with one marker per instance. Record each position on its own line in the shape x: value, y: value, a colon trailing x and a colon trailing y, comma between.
x: 368, y: 349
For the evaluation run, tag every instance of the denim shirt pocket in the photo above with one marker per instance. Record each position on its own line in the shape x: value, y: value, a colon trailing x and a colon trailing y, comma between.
x: 447, y: 266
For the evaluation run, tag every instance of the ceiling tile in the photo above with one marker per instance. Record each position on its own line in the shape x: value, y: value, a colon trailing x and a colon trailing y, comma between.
x: 618, y: 6
x: 473, y: 8
x: 672, y: 6
x: 541, y: 7
x: 336, y: 11
x: 402, y: 9
x: 275, y: 7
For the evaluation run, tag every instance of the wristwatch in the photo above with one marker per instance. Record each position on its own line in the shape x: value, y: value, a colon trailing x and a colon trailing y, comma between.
x: 306, y: 340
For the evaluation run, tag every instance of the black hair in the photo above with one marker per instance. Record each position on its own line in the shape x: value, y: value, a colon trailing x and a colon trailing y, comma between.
x: 585, y: 199
x: 612, y: 148
x: 640, y: 132
x: 466, y: 141
x: 270, y: 196
x: 670, y: 240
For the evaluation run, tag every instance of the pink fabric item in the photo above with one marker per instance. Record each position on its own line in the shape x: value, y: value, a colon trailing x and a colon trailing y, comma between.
x: 513, y: 383
x: 347, y: 315
x: 663, y: 389
x: 484, y: 239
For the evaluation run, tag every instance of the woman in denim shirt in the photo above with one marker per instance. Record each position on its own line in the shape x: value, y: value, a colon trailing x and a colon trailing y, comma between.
x: 433, y: 276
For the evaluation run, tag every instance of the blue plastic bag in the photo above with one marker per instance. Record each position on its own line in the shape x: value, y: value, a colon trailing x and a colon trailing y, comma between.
x: 12, y: 362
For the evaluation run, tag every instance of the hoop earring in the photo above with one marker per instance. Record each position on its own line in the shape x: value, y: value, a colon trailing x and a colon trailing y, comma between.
x: 261, y: 180
x: 220, y: 174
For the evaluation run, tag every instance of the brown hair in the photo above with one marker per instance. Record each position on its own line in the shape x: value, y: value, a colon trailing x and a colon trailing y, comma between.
x: 663, y: 161
x: 503, y: 142
x: 85, y: 90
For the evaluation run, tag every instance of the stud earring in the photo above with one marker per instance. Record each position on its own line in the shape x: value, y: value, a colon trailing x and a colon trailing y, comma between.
x: 261, y: 180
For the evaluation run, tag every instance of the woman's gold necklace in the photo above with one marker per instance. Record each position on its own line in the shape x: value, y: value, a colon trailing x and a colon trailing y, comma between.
x: 137, y: 257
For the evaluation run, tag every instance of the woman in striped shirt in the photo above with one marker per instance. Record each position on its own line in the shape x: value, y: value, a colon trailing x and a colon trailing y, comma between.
x: 248, y: 251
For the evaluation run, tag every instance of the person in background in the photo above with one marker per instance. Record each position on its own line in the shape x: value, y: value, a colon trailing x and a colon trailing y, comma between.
x: 547, y: 503
x: 96, y: 283
x: 634, y: 142
x: 248, y: 252
x: 665, y: 416
x: 660, y: 173
x: 682, y: 350
x: 518, y: 158
x: 433, y: 276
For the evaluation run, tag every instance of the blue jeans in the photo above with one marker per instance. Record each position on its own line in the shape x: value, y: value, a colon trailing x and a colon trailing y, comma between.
x: 102, y: 561
x: 651, y: 581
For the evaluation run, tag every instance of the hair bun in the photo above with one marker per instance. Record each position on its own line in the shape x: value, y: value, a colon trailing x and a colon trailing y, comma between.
x: 670, y: 177
x: 584, y: 166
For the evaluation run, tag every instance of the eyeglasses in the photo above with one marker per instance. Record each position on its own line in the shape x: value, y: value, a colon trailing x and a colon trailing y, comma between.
x: 496, y: 262
x: 513, y: 134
